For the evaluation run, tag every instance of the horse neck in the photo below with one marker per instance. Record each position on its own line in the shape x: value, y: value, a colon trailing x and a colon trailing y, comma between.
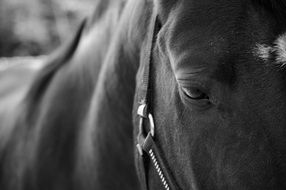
x: 106, y: 145
x: 56, y: 105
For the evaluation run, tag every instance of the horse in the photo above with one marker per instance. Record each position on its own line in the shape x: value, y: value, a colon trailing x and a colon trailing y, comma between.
x: 214, y: 99
x: 155, y: 94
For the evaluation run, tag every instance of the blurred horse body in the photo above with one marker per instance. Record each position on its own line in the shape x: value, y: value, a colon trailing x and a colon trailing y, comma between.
x: 17, y: 73
x: 49, y: 136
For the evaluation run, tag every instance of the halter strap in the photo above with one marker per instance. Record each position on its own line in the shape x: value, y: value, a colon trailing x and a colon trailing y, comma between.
x: 147, y: 148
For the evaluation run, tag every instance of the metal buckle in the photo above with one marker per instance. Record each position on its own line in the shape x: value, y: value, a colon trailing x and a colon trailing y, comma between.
x: 142, y: 112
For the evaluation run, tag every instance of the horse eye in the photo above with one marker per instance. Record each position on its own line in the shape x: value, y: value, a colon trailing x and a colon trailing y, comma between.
x: 195, y: 93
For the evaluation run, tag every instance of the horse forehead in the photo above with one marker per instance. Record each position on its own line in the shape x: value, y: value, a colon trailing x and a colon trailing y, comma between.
x: 191, y: 35
x: 199, y: 34
x: 198, y: 53
x: 220, y: 17
x: 193, y: 19
x: 205, y: 8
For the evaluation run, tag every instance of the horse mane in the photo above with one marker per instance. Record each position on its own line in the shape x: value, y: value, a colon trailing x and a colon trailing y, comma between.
x: 62, y: 56
x: 55, y: 62
x: 275, y: 7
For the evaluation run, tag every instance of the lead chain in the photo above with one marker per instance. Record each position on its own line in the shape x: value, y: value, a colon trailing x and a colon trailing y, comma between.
x: 158, y: 169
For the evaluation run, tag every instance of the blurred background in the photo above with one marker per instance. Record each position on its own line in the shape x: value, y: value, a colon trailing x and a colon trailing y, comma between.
x: 37, y: 27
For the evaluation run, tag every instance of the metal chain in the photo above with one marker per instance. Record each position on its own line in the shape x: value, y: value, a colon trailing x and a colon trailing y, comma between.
x: 159, y: 170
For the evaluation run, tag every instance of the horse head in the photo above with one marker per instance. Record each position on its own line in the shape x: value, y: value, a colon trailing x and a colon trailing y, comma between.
x: 217, y: 94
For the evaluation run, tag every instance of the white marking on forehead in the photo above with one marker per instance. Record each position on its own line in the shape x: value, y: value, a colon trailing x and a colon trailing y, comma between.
x: 263, y: 51
x: 278, y: 50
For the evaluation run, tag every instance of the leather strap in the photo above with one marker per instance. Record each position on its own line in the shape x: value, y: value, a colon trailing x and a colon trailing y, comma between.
x: 147, y: 61
x: 147, y: 148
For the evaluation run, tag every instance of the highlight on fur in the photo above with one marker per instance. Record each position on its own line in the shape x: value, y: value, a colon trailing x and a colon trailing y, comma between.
x: 276, y: 52
x: 280, y: 49
x: 263, y: 51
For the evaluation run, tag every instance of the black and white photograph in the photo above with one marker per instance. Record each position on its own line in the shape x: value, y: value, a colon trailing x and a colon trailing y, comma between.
x: 142, y: 94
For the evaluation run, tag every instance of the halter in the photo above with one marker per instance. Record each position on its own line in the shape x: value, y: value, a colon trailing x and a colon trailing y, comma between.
x: 147, y: 148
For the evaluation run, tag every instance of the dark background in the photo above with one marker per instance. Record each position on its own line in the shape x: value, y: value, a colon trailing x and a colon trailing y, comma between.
x: 36, y: 27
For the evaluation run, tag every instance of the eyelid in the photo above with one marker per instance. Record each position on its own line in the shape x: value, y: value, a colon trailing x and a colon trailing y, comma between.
x: 187, y: 83
x: 194, y: 93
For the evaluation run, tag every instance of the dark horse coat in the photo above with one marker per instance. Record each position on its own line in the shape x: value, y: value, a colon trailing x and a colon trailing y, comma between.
x: 218, y: 89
